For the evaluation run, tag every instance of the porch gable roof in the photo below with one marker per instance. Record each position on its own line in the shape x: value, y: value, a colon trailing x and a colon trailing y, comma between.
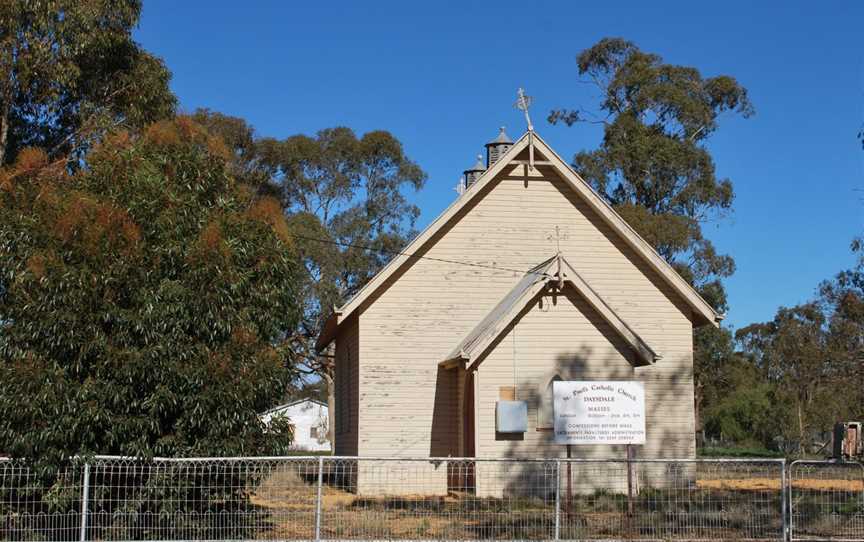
x: 555, y: 272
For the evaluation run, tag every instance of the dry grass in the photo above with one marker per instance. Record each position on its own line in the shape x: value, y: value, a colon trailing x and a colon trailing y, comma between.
x: 748, y: 484
x: 766, y: 484
x: 289, y: 499
x: 829, y: 485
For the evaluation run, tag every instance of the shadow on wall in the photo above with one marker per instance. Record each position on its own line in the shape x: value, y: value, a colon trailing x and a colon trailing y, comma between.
x: 582, y: 362
x: 533, y: 479
x: 444, y: 441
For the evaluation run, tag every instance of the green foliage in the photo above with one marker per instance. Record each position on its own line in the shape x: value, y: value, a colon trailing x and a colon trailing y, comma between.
x: 240, y: 139
x: 738, y: 405
x: 71, y: 71
x: 143, y: 302
x: 347, y: 190
x: 745, y: 416
x: 713, y: 353
x: 811, y: 354
x: 345, y: 201
x: 654, y: 168
x: 653, y: 165
x: 791, y: 350
x: 739, y: 451
x: 794, y: 376
x: 842, y: 300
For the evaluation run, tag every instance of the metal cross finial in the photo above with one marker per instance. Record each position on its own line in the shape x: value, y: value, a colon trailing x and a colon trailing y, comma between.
x: 523, y: 102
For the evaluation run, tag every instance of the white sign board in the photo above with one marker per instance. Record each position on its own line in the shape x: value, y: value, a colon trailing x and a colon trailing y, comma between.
x: 599, y: 412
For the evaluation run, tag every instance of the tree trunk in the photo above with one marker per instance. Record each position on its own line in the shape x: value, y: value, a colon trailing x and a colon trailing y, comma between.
x: 4, y: 133
x: 800, y: 428
x: 697, y: 412
x: 331, y: 411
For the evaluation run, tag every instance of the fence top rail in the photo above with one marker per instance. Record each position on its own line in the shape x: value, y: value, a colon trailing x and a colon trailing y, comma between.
x: 756, y: 460
x: 767, y: 460
x: 330, y: 458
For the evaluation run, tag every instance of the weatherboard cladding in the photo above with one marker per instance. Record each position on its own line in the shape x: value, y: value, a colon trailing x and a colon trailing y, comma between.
x: 419, y: 313
x: 347, y: 389
x: 548, y: 160
x: 490, y: 326
x: 591, y: 350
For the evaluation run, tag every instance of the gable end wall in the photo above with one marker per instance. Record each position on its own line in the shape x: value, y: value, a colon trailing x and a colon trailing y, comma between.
x: 424, y: 310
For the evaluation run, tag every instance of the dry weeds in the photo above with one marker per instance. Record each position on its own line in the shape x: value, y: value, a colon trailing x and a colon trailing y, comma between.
x: 772, y: 484
x: 290, y: 501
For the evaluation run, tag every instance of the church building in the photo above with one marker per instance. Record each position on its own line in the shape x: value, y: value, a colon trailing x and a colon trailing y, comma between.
x: 527, y: 278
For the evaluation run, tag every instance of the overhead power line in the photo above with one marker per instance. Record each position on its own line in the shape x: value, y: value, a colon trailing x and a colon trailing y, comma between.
x: 415, y: 256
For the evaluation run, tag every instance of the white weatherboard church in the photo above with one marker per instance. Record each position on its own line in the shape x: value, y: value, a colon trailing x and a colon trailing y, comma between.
x: 309, y: 419
x: 528, y: 278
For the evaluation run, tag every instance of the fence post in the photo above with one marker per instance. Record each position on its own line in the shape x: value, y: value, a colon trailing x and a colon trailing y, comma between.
x: 557, y: 499
x: 318, y: 498
x: 85, y: 495
x: 785, y: 508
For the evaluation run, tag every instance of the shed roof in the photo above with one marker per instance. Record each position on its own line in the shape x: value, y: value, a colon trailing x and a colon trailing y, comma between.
x: 554, y: 272
x: 293, y: 403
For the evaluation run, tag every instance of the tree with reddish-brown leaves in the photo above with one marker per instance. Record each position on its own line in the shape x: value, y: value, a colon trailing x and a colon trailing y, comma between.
x: 144, y: 301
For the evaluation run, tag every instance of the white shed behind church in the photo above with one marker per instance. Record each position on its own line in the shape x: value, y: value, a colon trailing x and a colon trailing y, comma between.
x: 309, y: 418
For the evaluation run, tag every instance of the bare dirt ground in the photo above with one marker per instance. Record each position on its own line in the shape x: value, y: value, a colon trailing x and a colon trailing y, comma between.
x: 289, y: 503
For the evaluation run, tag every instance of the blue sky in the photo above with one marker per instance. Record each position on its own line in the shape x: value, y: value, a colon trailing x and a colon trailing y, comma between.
x: 442, y: 77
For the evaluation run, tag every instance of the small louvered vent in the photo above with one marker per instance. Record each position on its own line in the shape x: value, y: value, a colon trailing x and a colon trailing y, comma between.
x: 496, y: 148
x: 474, y: 172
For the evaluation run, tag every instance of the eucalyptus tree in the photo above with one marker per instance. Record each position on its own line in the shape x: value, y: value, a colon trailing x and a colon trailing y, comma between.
x: 70, y: 71
x: 654, y: 167
x: 653, y: 164
x: 346, y: 202
x: 144, y: 301
x: 794, y: 351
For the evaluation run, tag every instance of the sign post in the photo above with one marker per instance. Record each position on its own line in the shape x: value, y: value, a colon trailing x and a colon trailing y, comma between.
x: 569, y: 484
x: 599, y: 412
x: 630, y: 480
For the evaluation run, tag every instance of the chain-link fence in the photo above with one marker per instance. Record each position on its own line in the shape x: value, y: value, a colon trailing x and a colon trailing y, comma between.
x: 328, y: 498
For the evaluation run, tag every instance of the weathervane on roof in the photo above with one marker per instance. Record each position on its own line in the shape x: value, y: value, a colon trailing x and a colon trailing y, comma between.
x: 523, y: 102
